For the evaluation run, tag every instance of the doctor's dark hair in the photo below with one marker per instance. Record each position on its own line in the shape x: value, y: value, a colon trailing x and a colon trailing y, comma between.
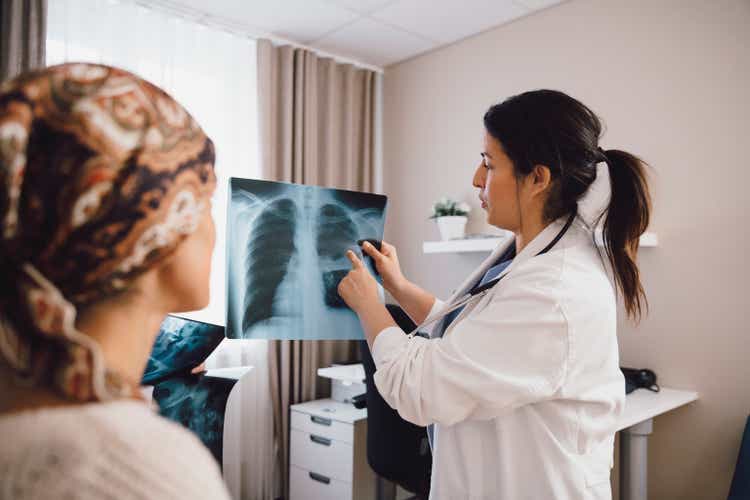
x: 550, y: 128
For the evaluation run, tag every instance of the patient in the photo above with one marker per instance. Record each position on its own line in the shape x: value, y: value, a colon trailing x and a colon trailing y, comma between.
x: 105, y: 226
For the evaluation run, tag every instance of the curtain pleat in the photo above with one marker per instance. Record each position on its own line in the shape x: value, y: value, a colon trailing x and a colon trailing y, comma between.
x: 23, y: 33
x: 316, y: 128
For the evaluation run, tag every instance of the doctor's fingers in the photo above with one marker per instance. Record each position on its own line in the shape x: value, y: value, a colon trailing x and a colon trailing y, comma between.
x: 373, y: 252
x: 356, y: 263
x: 345, y: 290
x: 352, y: 284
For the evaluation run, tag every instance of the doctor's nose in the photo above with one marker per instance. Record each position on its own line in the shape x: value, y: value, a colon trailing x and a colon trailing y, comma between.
x: 479, y: 177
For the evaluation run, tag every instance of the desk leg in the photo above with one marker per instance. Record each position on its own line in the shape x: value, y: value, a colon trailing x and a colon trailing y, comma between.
x: 634, y: 461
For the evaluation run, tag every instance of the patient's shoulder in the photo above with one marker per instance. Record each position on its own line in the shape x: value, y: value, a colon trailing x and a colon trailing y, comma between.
x: 119, y: 449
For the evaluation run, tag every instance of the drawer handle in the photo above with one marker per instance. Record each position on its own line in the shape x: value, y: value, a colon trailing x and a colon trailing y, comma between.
x: 320, y: 440
x: 319, y: 478
x: 320, y: 420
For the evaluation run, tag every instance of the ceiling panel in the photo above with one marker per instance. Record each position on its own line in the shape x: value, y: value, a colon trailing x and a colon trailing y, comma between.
x: 449, y: 21
x: 373, y: 42
x: 377, y: 32
x: 538, y: 4
x: 362, y: 6
x: 299, y: 20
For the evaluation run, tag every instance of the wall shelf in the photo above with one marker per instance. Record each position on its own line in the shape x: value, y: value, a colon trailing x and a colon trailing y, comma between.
x: 465, y: 245
x: 489, y: 244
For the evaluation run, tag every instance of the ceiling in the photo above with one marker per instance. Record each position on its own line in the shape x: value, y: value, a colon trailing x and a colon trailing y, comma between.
x: 374, y: 32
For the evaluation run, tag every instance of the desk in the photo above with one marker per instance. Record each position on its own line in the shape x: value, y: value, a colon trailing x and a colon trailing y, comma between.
x: 636, y: 424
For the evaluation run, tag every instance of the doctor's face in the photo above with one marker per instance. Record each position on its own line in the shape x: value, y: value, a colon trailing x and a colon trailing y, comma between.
x: 498, y: 188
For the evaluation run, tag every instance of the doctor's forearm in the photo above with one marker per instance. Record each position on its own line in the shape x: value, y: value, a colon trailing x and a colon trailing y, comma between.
x: 374, y: 320
x: 416, y: 301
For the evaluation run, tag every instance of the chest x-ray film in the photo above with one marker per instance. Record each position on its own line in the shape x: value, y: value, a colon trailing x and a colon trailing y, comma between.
x: 181, y: 345
x: 286, y: 255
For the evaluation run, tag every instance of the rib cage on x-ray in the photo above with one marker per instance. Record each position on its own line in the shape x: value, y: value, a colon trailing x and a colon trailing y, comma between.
x: 288, y: 244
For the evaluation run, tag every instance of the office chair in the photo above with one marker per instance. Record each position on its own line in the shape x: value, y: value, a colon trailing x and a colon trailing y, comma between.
x: 397, y: 450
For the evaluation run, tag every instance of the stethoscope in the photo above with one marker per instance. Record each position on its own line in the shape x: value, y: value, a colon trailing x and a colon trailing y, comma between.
x: 480, y: 291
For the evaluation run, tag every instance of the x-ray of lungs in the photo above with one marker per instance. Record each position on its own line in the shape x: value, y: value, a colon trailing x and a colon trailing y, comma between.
x: 286, y: 254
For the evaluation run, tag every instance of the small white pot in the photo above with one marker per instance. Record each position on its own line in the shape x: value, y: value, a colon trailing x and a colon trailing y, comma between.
x: 452, y: 227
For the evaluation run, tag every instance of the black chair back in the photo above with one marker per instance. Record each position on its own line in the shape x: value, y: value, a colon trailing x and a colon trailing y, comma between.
x: 396, y: 449
x: 740, y: 489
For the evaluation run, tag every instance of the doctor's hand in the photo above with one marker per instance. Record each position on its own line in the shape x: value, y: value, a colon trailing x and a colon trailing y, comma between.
x: 386, y: 262
x: 358, y: 288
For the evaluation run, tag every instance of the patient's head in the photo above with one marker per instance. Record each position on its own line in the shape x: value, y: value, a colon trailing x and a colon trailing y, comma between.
x: 105, y: 186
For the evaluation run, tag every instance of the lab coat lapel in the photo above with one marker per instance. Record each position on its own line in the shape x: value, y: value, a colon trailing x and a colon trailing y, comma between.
x: 478, y: 273
x: 534, y: 247
x: 472, y: 280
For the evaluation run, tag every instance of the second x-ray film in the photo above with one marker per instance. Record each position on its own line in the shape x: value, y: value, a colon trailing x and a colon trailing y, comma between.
x: 286, y: 254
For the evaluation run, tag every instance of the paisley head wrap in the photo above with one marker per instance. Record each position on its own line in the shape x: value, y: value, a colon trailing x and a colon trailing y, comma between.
x: 102, y: 175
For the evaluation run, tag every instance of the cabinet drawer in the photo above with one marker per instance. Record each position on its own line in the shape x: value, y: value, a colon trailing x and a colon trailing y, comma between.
x: 306, y: 485
x: 319, y: 454
x: 322, y: 426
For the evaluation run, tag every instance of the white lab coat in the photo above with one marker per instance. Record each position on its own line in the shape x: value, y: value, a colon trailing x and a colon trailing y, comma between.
x: 524, y: 387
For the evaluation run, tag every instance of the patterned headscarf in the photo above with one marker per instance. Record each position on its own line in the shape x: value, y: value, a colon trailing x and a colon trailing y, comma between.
x: 102, y: 175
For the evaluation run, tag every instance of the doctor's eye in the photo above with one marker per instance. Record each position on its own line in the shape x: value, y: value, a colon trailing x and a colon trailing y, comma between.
x: 485, y: 162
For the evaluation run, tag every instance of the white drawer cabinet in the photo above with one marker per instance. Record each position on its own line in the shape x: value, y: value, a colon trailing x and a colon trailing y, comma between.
x: 321, y: 426
x: 314, y: 486
x: 328, y: 455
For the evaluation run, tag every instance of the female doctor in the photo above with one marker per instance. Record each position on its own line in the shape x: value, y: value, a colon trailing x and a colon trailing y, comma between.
x: 521, y: 376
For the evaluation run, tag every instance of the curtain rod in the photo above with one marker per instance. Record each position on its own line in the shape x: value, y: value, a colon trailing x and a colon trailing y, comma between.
x: 238, y: 29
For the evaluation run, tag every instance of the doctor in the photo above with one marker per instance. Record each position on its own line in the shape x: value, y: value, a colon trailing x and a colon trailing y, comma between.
x: 522, y: 383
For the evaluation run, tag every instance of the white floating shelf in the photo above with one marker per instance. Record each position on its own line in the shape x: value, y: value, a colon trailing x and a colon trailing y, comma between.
x: 466, y: 245
x: 489, y: 244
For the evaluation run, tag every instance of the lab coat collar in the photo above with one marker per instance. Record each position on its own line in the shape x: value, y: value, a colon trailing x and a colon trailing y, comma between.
x: 478, y: 273
x: 530, y: 250
x: 540, y: 241
x: 534, y: 247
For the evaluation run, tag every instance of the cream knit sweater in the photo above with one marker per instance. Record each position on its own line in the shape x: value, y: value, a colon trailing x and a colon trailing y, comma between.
x: 118, y: 450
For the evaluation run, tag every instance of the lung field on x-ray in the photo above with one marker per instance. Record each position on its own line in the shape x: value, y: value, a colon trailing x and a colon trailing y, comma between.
x: 270, y: 249
x: 335, y: 231
x: 287, y: 254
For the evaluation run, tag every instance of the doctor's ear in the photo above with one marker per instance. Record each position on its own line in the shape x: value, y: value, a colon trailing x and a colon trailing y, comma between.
x: 539, y: 180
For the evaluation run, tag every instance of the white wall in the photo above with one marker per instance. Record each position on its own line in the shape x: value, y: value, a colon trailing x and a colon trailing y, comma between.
x: 670, y: 78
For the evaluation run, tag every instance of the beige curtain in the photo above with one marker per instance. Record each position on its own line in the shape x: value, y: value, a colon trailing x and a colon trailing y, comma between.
x: 23, y: 31
x: 317, y: 127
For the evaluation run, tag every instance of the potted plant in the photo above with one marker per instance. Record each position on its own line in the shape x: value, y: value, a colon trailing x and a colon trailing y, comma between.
x: 451, y: 218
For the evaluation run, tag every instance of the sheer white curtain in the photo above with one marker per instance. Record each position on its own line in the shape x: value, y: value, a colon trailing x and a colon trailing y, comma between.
x: 210, y: 72
x: 213, y: 74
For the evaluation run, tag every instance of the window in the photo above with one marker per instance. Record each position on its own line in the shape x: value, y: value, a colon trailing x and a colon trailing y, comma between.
x: 210, y: 72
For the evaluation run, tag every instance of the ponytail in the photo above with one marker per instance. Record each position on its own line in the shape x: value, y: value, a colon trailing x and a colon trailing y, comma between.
x: 548, y: 127
x: 626, y: 220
